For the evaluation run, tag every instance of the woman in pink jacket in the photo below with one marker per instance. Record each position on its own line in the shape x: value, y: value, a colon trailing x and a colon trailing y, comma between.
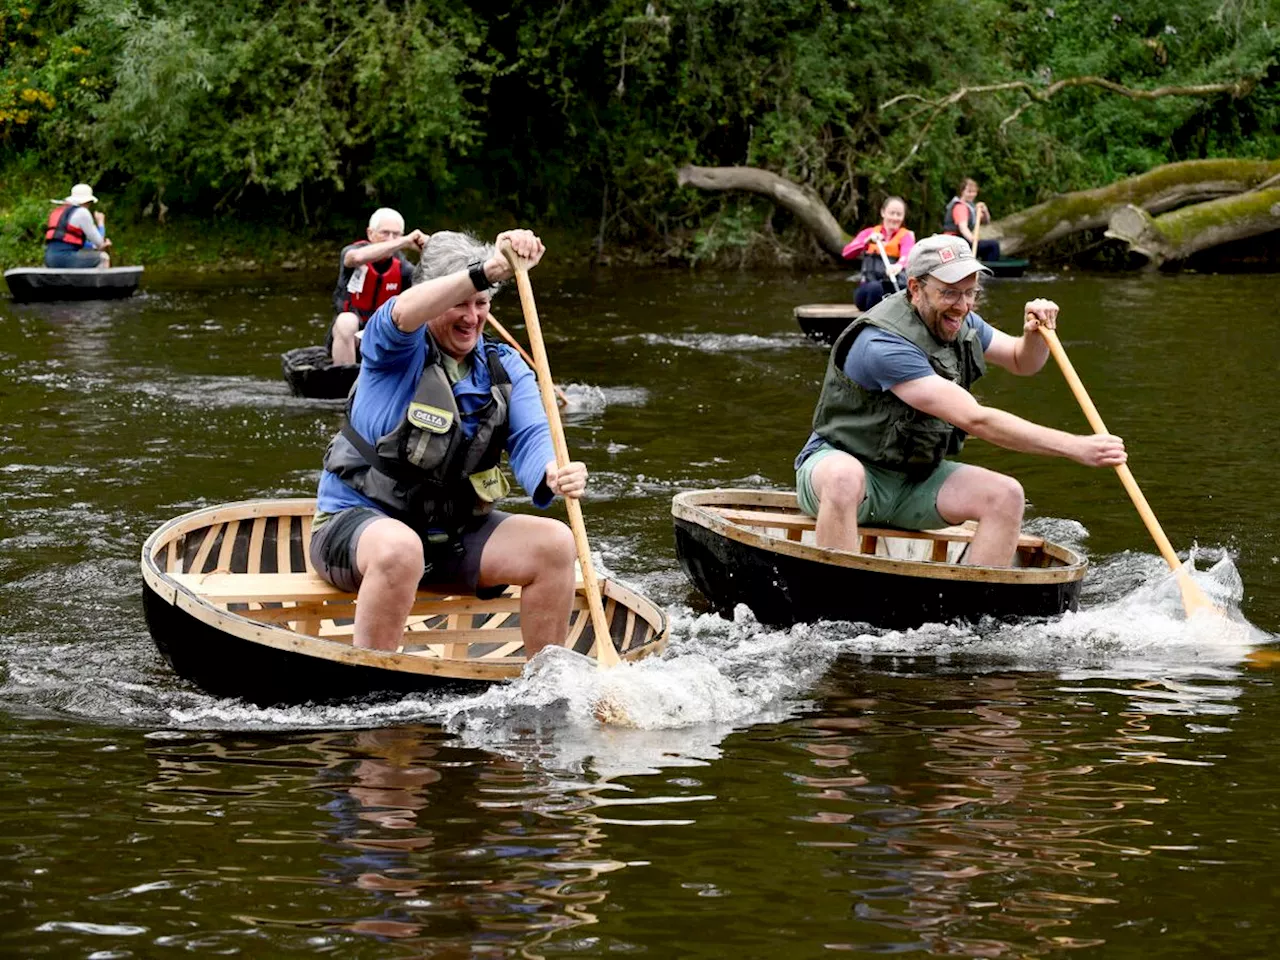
x: 896, y: 240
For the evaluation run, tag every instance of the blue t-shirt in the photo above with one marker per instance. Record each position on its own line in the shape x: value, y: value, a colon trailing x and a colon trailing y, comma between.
x: 389, y: 371
x: 879, y: 360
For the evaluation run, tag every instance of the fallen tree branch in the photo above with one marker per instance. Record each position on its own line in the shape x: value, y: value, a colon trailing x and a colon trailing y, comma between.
x: 1156, y: 191
x: 806, y: 205
x: 1177, y: 235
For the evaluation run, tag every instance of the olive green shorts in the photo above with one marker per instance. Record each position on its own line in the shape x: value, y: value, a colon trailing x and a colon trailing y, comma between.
x: 891, y: 500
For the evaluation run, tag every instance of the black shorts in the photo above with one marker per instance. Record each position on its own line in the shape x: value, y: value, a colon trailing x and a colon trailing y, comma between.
x: 452, y: 569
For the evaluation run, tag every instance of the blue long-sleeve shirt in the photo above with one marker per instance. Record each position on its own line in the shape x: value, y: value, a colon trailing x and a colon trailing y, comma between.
x: 390, y: 366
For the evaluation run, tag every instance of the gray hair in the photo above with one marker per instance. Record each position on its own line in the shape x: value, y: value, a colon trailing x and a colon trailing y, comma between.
x: 447, y: 252
x: 383, y: 213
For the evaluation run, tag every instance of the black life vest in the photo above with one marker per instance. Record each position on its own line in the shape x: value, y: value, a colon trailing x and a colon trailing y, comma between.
x: 420, y: 472
x: 949, y: 225
x: 379, y: 285
x: 59, y: 227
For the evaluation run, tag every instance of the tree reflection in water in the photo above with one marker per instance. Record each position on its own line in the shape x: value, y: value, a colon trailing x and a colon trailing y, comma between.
x: 1011, y: 792
x: 439, y: 847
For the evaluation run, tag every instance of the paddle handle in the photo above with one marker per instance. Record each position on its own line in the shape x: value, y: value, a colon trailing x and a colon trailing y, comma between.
x: 884, y: 258
x: 606, y: 655
x: 515, y: 345
x: 977, y: 228
x: 1193, y: 598
x: 1095, y: 421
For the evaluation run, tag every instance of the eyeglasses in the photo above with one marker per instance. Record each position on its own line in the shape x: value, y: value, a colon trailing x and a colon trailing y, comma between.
x: 951, y: 296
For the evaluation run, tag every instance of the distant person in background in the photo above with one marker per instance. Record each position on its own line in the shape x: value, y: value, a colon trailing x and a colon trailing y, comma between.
x: 875, y: 282
x: 370, y: 272
x: 963, y: 212
x: 74, y: 238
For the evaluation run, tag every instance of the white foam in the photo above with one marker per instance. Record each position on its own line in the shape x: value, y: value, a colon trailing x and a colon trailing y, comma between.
x: 718, y: 674
x: 588, y: 398
x: 721, y: 342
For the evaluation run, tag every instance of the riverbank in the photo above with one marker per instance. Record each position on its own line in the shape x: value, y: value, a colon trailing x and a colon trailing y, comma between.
x: 754, y: 235
x: 229, y: 246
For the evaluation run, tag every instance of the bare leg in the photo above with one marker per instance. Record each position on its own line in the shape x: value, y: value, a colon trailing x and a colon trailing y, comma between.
x: 840, y: 484
x: 389, y: 558
x: 995, y: 501
x: 537, y: 554
x: 345, y: 326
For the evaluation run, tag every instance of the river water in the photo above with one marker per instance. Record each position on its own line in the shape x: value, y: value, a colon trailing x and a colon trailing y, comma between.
x: 1103, y: 784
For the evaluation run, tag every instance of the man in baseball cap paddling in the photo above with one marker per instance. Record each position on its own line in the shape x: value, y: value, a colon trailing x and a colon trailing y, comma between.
x: 895, y: 404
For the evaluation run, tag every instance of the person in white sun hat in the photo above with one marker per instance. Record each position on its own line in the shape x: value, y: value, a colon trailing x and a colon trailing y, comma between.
x: 895, y: 405
x: 74, y: 238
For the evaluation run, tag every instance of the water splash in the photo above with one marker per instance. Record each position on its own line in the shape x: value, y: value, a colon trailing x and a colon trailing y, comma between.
x: 584, y: 398
x: 721, y: 342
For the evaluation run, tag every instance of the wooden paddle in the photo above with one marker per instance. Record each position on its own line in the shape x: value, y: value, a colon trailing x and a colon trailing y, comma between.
x: 606, y: 655
x: 1193, y: 598
x: 977, y: 228
x: 884, y: 258
x: 515, y: 345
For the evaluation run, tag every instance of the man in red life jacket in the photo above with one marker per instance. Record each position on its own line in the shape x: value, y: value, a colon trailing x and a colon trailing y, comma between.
x: 370, y: 272
x: 74, y: 238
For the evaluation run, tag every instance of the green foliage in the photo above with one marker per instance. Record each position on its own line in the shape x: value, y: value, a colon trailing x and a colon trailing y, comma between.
x: 214, y: 105
x: 25, y: 192
x: 44, y: 73
x: 576, y: 114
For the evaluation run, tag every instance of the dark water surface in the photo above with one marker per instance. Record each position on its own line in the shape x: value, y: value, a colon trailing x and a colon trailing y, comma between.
x: 1104, y: 784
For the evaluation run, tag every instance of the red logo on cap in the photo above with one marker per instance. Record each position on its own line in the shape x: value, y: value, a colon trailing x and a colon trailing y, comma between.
x: 947, y: 254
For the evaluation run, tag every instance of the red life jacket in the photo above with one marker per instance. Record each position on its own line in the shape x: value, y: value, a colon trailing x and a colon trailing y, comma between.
x: 58, y: 229
x: 378, y: 287
x: 892, y: 246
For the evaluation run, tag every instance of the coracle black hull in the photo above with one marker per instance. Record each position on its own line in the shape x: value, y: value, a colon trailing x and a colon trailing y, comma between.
x: 43, y: 285
x: 1006, y: 268
x: 312, y: 373
x: 824, y: 322
x: 224, y: 665
x: 781, y: 590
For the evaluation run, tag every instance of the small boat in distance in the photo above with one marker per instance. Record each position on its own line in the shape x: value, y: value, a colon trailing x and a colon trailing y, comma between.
x: 234, y: 606
x: 311, y: 372
x: 1006, y: 268
x: 756, y: 547
x: 44, y: 284
x: 824, y: 322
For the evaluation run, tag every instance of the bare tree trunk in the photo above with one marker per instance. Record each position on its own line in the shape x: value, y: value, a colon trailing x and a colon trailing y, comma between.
x: 1154, y: 192
x: 1163, y: 188
x: 807, y: 207
x: 1177, y: 235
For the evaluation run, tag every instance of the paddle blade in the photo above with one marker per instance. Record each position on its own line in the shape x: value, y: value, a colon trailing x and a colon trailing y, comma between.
x: 1195, y: 600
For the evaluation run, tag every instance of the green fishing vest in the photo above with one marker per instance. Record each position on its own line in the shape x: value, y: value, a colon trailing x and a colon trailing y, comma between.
x: 874, y: 425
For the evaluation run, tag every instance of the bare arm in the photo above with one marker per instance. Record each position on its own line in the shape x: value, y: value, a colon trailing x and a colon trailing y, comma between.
x: 1026, y: 354
x: 373, y: 252
x: 423, y: 301
x: 958, y: 211
x: 940, y: 397
x: 83, y: 218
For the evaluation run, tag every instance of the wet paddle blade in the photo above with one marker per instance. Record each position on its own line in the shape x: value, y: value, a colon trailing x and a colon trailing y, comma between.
x: 1195, y: 600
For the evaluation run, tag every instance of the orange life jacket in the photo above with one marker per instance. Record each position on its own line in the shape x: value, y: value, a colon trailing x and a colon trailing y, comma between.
x: 59, y: 229
x: 892, y: 246
x: 378, y: 287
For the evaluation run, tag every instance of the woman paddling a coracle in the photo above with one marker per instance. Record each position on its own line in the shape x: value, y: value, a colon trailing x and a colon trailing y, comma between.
x: 883, y: 250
